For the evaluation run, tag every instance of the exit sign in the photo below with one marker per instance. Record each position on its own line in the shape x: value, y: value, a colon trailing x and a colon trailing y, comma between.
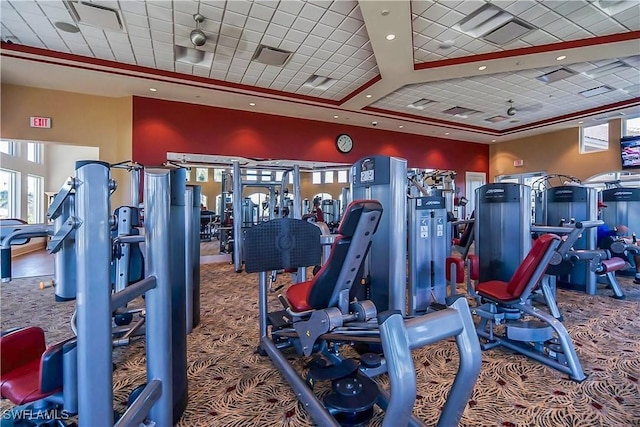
x: 41, y: 122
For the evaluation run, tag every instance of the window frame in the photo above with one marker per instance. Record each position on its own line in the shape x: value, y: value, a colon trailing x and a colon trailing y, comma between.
x: 583, y: 129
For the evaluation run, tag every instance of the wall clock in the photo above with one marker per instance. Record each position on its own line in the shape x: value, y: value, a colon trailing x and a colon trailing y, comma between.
x: 344, y: 143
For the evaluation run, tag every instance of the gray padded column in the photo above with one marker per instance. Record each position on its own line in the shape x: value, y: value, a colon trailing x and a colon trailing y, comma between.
x: 159, y: 329
x: 93, y: 254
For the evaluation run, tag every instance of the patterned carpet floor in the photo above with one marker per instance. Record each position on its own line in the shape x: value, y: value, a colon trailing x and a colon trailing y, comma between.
x: 230, y: 385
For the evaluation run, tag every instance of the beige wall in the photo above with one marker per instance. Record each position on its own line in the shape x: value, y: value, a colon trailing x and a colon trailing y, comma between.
x: 555, y: 152
x: 84, y: 120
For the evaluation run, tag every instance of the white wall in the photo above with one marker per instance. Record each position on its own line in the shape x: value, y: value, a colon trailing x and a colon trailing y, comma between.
x: 61, y: 163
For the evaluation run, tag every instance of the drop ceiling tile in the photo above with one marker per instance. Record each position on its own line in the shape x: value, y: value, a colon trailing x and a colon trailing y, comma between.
x: 215, y: 74
x: 103, y: 53
x: 419, y: 24
x: 135, y: 19
x: 277, y: 31
x: 332, y: 19
x: 289, y: 45
x: 204, y: 72
x: 239, y: 6
x: 140, y: 32
x: 234, y: 19
x: 434, y: 30
x: 451, y: 18
x: 158, y: 12
x: 254, y: 24
x: 26, y: 7
x: 302, y: 24
x: 292, y: 7
x: 343, y: 7
x: 283, y: 18
x: 340, y: 36
x: 160, y: 36
x: 322, y: 30
x: 517, y: 7
x: 53, y: 13
x: 419, y: 6
x: 209, y: 12
x: 313, y: 12
x: 606, y: 27
x: 313, y: 41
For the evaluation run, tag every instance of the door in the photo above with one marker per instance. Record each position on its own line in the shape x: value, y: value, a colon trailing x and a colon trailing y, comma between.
x: 473, y: 181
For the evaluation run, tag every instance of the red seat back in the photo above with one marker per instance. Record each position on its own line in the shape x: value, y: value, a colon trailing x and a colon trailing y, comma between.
x: 21, y: 347
x: 527, y: 268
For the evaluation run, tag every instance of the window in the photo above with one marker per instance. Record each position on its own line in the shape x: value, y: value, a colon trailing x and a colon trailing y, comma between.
x: 203, y: 201
x: 34, y: 152
x: 343, y: 177
x: 202, y: 174
x: 279, y: 175
x: 252, y: 175
x: 594, y: 138
x: 631, y: 127
x: 8, y: 194
x: 316, y: 178
x: 188, y: 174
x: 217, y: 175
x: 328, y: 177
x: 265, y: 176
x: 35, y: 197
x: 323, y: 196
x: 7, y: 147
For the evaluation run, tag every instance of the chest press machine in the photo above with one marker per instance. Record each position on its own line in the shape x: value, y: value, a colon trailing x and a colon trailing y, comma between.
x: 319, y: 317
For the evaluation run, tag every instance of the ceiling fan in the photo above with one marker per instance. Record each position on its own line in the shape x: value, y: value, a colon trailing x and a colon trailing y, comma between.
x: 513, y: 110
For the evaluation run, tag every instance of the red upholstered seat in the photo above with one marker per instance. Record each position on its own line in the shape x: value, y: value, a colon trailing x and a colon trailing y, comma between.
x: 298, y: 295
x: 507, y: 292
x: 613, y: 264
x: 494, y: 289
x: 316, y: 293
x: 23, y: 353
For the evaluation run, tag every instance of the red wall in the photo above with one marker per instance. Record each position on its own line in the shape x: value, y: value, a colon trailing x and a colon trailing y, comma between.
x: 162, y: 126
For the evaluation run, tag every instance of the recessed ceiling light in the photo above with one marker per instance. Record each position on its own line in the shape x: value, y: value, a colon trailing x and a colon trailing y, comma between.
x: 493, y: 140
x: 561, y: 57
x: 335, y: 117
x: 446, y: 133
x: 580, y: 122
x: 400, y: 127
x: 482, y: 67
x: 384, y: 12
x: 153, y: 89
x: 391, y: 36
x: 369, y: 96
x: 253, y: 104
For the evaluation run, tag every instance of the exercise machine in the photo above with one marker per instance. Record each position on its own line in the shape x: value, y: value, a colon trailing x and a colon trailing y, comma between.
x: 82, y: 368
x: 320, y: 315
x: 385, y: 179
x: 502, y: 236
x: 428, y: 247
x: 529, y: 330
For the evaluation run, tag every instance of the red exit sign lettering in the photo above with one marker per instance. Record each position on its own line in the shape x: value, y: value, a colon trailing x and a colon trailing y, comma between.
x: 41, y: 122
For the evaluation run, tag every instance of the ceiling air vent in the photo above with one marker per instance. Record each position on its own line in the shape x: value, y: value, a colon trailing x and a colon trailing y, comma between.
x: 554, y: 76
x: 461, y: 112
x: 496, y: 119
x: 494, y: 25
x: 421, y: 103
x: 95, y: 15
x: 613, y: 7
x: 611, y: 68
x: 271, y: 56
x: 595, y: 91
x: 319, y: 82
x: 193, y: 56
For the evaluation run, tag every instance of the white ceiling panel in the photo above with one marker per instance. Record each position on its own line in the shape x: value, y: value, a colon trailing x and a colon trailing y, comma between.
x: 345, y: 40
